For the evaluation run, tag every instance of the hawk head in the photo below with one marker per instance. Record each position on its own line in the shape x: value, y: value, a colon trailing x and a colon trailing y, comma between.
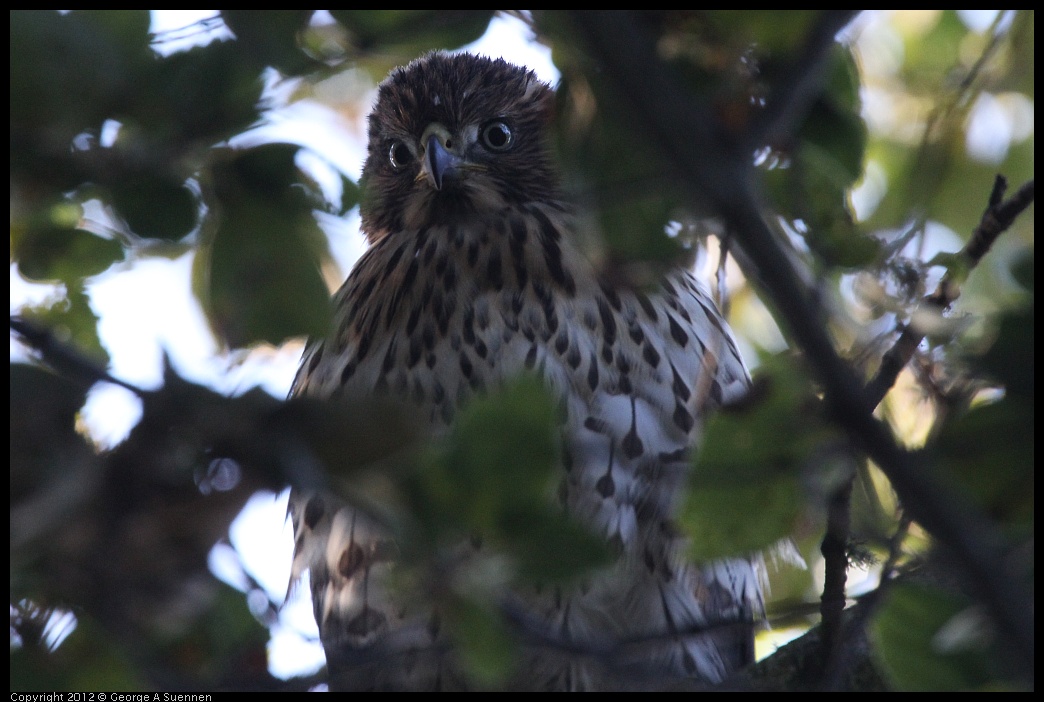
x: 453, y: 137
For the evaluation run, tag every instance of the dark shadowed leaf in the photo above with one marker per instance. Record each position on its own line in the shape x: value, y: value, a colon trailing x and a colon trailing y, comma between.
x: 1010, y: 360
x: 978, y: 451
x: 926, y: 639
x: 746, y: 487
x: 52, y: 252
x: 71, y: 320
x: 346, y: 436
x: 501, y: 450
x: 205, y: 95
x: 549, y: 546
x: 412, y: 31
x: 88, y: 659
x: 825, y: 161
x: 349, y: 195
x: 258, y: 269
x: 272, y: 37
x: 612, y: 168
x: 69, y: 70
x: 44, y: 442
x: 155, y: 207
x: 770, y: 31
x: 487, y: 649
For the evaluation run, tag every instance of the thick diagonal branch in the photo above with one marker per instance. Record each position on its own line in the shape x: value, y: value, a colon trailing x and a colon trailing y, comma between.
x: 717, y: 169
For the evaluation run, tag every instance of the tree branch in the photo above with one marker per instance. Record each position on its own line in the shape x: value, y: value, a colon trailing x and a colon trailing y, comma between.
x: 794, y: 95
x: 63, y: 357
x: 715, y: 169
x: 999, y: 215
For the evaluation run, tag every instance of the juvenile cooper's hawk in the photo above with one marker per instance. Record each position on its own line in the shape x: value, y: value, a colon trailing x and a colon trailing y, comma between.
x: 473, y: 276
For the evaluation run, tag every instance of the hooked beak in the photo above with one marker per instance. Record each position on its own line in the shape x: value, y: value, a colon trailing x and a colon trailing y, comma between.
x: 440, y: 164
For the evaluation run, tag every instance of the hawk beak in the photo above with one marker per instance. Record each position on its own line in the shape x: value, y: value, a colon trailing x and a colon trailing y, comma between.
x: 440, y: 164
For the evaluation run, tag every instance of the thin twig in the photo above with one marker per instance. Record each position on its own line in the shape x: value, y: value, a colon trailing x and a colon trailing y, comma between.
x: 999, y: 215
x: 835, y: 557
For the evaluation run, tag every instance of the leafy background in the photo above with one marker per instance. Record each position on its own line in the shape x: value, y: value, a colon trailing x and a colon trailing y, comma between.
x: 133, y: 161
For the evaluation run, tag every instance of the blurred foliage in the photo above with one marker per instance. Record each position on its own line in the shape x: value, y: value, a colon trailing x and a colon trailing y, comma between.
x: 485, y: 482
x: 949, y: 635
x: 746, y: 490
x: 119, y: 153
x: 259, y: 240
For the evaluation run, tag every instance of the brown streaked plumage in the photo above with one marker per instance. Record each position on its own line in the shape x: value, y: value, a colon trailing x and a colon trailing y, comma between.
x: 474, y: 276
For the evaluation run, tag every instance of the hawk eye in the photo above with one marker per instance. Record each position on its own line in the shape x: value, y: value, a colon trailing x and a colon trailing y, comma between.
x: 399, y: 155
x: 497, y: 136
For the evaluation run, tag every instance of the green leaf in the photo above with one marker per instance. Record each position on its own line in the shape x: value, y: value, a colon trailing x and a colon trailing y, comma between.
x: 129, y: 29
x: 549, y: 546
x: 988, y: 452
x: 928, y: 640
x: 88, y: 659
x: 43, y: 427
x: 347, y: 436
x: 257, y: 273
x: 500, y: 452
x: 615, y: 168
x: 768, y: 30
x: 826, y: 160
x: 66, y: 72
x: 486, y: 648
x: 493, y: 477
x: 413, y: 31
x: 155, y: 207
x: 738, y: 518
x: 349, y: 195
x: 929, y: 55
x: 73, y: 321
x: 1010, y: 360
x: 205, y: 94
x: 53, y: 252
x: 272, y: 37
x: 745, y: 490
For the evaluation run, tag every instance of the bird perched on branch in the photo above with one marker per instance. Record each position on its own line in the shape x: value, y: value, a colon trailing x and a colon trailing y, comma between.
x: 474, y: 276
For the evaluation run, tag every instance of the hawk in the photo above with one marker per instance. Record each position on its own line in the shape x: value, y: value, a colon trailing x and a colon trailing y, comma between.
x: 474, y: 275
